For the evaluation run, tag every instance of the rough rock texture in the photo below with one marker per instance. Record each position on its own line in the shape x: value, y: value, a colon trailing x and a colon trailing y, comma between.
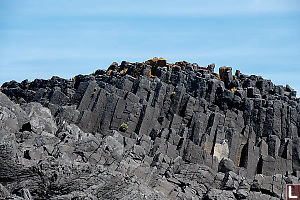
x: 151, y: 130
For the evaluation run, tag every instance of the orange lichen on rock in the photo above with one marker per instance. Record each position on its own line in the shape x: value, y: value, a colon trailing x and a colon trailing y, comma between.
x: 123, y: 71
x: 108, y: 72
x: 181, y: 64
x: 155, y: 59
x: 151, y: 75
x: 233, y: 90
x: 155, y: 63
x: 113, y: 66
x: 161, y: 62
x: 210, y: 68
x: 222, y: 71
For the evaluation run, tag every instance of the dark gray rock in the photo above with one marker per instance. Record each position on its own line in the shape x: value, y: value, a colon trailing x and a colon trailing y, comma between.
x: 41, y: 118
x: 188, y: 133
x: 227, y: 165
x: 215, y: 194
x: 12, y: 117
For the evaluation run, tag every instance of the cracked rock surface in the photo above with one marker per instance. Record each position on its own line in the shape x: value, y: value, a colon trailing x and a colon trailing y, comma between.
x: 150, y: 130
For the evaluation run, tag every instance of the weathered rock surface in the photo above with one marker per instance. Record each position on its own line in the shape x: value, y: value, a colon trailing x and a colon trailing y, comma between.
x: 150, y: 130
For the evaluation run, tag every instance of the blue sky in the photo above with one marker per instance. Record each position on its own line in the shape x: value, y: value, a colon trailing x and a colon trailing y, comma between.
x: 39, y: 39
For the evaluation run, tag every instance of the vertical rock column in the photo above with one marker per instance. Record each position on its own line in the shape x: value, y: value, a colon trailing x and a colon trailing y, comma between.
x: 226, y: 75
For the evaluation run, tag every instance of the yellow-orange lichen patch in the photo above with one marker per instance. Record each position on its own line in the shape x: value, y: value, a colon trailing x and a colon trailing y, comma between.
x: 108, y: 72
x: 151, y: 75
x: 155, y: 59
x: 123, y: 71
x: 233, y: 90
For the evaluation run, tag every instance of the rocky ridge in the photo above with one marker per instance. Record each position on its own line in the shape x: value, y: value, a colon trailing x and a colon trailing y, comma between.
x: 151, y: 130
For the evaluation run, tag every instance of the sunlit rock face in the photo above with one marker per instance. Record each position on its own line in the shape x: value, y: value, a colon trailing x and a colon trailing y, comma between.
x: 151, y: 130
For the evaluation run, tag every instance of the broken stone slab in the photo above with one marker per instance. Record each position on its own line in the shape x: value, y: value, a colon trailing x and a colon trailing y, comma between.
x: 12, y: 116
x: 40, y: 117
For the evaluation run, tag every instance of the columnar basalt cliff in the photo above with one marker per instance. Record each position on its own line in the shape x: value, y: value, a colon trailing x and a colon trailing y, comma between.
x: 151, y: 130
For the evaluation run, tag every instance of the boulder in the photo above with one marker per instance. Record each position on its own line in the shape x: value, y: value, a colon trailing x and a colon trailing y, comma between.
x: 41, y: 118
x: 12, y: 117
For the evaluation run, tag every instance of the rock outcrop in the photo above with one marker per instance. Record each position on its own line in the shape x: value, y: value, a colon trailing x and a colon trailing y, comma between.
x: 151, y: 130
